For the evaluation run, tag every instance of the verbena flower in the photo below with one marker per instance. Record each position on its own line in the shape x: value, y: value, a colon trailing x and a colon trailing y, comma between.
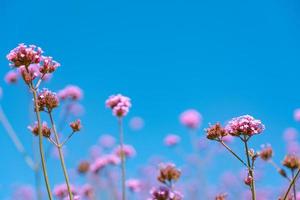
x: 216, y: 132
x: 119, y: 104
x: 244, y: 125
x: 70, y: 92
x: 47, y: 100
x: 168, y: 173
x: 171, y: 140
x: 76, y: 125
x: 11, y: 77
x: 46, y: 131
x: 191, y: 118
x: 266, y: 153
x: 164, y: 193
x: 291, y: 161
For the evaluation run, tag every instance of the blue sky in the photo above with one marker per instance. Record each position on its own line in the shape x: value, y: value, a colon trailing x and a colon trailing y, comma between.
x: 224, y: 58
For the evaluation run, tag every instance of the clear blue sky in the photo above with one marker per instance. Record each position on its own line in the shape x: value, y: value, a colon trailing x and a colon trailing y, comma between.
x: 224, y: 58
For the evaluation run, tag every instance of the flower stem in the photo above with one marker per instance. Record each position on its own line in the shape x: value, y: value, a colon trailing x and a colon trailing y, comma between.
x: 120, y: 123
x: 250, y: 169
x: 294, y: 185
x: 61, y: 156
x: 291, y: 184
x: 41, y: 143
x: 232, y: 152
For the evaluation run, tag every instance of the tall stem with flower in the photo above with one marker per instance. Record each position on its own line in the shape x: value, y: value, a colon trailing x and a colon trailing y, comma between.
x: 120, y: 106
x: 243, y: 127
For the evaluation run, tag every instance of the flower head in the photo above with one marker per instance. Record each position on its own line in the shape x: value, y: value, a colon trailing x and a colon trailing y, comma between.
x: 164, y: 193
x: 291, y: 161
x: 134, y: 185
x: 47, y: 100
x: 171, y: 140
x: 191, y: 118
x: 83, y: 167
x: 119, y: 104
x: 168, y: 173
x: 70, y: 92
x: 48, y: 65
x: 11, y: 77
x: 244, y: 125
x: 216, y: 132
x: 46, y: 131
x: 76, y: 125
x: 104, y: 161
x: 266, y: 153
x: 24, y: 55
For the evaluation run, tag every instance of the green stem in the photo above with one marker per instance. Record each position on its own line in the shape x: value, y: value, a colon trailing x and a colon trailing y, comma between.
x: 41, y: 143
x: 291, y: 185
x: 250, y: 169
x: 122, y: 157
x: 61, y: 156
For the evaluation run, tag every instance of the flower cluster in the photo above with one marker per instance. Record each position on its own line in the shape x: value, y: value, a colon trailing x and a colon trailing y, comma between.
x: 104, y: 161
x: 127, y: 151
x: 164, y: 193
x: 266, y: 153
x: 70, y: 92
x: 171, y: 140
x: 191, y: 118
x: 47, y: 100
x: 168, y: 173
x: 24, y: 55
x: 119, y: 104
x: 46, y: 131
x: 244, y: 125
x: 76, y: 125
x: 291, y: 161
x: 216, y: 132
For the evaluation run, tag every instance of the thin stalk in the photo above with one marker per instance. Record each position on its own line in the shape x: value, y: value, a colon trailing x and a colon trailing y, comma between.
x: 120, y: 123
x: 232, y: 152
x: 250, y: 169
x: 61, y: 156
x: 294, y: 185
x: 68, y: 138
x: 41, y: 143
x: 291, y: 185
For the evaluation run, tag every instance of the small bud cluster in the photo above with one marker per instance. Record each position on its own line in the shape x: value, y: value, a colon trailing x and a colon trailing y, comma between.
x: 46, y: 131
x: 119, y: 104
x: 47, y: 100
x: 215, y: 132
x: 291, y: 161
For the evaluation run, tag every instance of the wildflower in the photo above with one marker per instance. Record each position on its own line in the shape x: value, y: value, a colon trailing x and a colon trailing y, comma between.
x: 164, y: 193
x: 29, y: 73
x: 266, y: 153
x: 128, y: 151
x: 119, y: 104
x: 76, y: 125
x: 47, y: 100
x: 244, y: 125
x: 11, y: 77
x: 24, y: 55
x: 215, y: 132
x: 61, y: 191
x: 134, y: 185
x: 291, y: 161
x: 191, y: 118
x: 46, y: 131
x: 168, y: 173
x: 83, y: 167
x: 70, y: 92
x: 171, y: 140
x: 48, y: 65
x: 104, y: 161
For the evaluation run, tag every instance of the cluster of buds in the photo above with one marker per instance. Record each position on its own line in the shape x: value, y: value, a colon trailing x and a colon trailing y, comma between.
x: 119, y: 104
x: 168, y: 173
x: 244, y: 125
x: 76, y: 125
x: 215, y: 132
x: 47, y: 100
x: 164, y: 193
x: 266, y: 153
x: 30, y: 63
x: 291, y: 161
x: 46, y: 131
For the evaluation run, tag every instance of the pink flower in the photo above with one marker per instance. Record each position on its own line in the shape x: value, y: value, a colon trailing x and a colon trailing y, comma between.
x: 107, y: 141
x: 104, y: 161
x: 71, y: 92
x: 244, y: 125
x: 11, y: 77
x: 134, y: 185
x: 171, y: 140
x: 24, y: 55
x: 136, y: 123
x: 48, y: 65
x: 47, y: 100
x: 119, y: 104
x: 191, y: 118
x: 128, y: 151
x: 297, y: 114
x: 61, y: 191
